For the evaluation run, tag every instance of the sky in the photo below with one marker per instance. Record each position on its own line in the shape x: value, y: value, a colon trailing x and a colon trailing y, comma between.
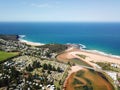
x: 60, y: 10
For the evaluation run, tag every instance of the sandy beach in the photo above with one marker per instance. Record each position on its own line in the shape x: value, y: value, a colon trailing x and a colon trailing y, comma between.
x: 30, y: 43
x: 90, y: 56
x: 97, y: 57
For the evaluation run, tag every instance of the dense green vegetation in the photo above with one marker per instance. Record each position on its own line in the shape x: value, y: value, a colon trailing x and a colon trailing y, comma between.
x: 79, y: 62
x: 6, y: 55
x: 45, y: 66
x: 118, y: 88
x: 107, y: 66
x: 35, y: 64
x: 54, y: 47
x: 9, y: 37
x: 12, y: 73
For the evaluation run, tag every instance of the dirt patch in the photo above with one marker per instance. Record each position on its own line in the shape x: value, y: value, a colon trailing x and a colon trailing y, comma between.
x: 72, y: 70
x: 90, y: 80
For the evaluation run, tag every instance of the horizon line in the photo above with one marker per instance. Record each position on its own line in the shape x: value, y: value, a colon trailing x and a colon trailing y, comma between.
x: 59, y: 21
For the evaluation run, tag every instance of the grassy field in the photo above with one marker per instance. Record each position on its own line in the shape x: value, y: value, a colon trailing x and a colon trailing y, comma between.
x: 88, y: 80
x: 79, y: 62
x: 7, y: 55
x: 82, y: 56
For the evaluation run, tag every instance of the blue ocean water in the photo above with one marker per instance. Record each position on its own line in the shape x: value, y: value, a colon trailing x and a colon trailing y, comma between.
x: 104, y: 37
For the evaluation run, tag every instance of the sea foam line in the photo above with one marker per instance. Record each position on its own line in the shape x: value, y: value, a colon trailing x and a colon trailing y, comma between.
x: 21, y: 36
x: 84, y: 48
x: 103, y: 53
x: 21, y: 39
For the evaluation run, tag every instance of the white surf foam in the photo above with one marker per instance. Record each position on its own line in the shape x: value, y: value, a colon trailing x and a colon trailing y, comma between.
x: 21, y: 39
x: 103, y: 53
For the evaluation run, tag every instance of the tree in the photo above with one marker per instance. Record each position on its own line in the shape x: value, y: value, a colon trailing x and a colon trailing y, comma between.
x: 36, y: 64
x: 49, y: 66
x: 30, y: 77
x: 69, y: 63
x: 29, y: 68
x: 53, y: 68
x: 14, y: 72
x: 48, y: 54
x: 58, y: 69
x: 43, y: 71
x: 45, y: 66
x: 48, y: 72
x: 4, y: 82
x: 58, y: 88
x: 60, y: 82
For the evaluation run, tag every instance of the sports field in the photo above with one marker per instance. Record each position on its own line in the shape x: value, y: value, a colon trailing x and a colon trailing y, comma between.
x: 7, y: 55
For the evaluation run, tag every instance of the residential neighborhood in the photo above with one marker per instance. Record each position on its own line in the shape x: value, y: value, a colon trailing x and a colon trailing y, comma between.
x: 32, y: 69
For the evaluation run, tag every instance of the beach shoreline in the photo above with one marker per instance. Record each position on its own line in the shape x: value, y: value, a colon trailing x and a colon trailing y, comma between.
x: 31, y: 43
x: 83, y: 49
x: 101, y: 53
x: 90, y: 56
x: 21, y: 39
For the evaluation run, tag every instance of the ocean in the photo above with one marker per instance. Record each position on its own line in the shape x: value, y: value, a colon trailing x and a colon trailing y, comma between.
x: 102, y: 37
